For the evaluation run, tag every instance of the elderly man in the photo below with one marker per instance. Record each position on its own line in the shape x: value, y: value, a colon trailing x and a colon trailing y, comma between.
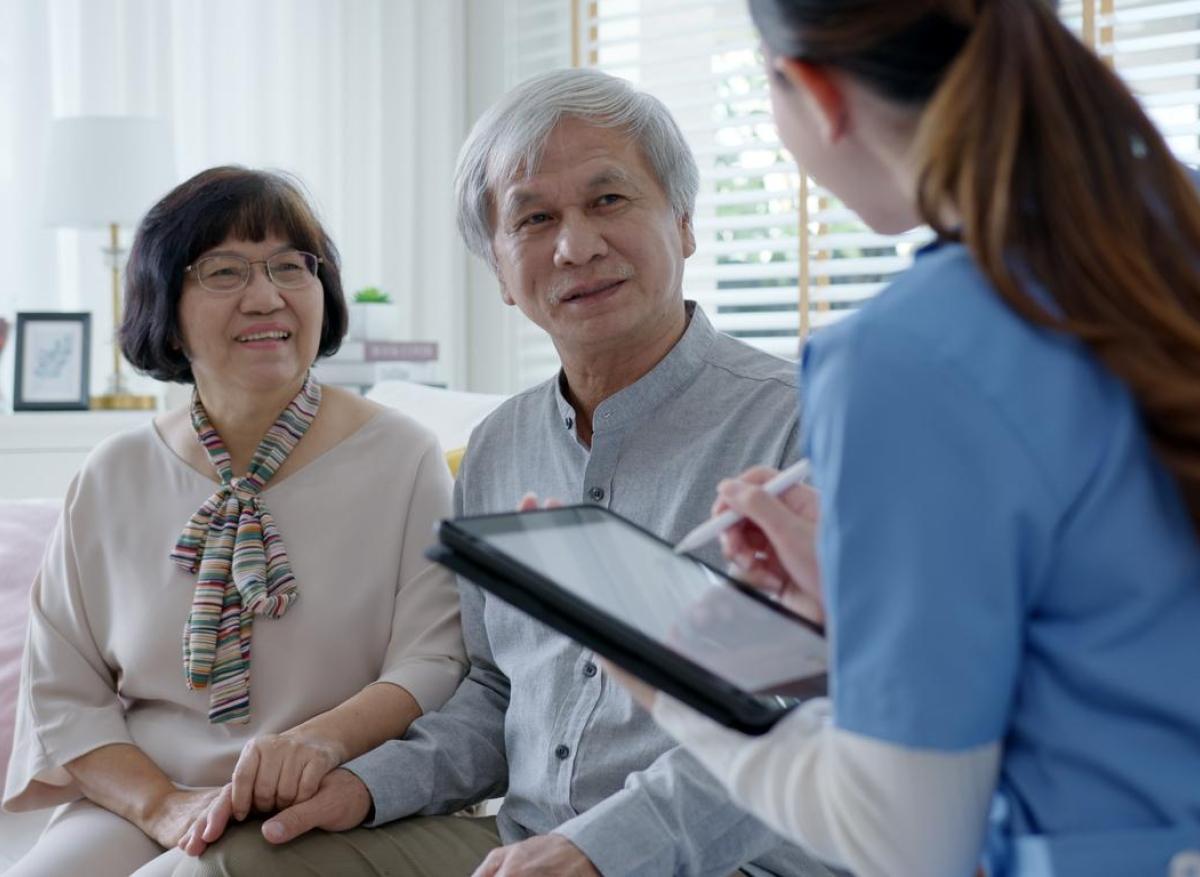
x: 580, y: 192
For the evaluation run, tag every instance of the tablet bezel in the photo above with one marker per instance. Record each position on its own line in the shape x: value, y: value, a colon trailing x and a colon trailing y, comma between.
x: 527, y: 589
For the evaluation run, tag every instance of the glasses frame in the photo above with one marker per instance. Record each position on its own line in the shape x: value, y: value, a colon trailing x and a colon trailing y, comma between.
x: 250, y: 263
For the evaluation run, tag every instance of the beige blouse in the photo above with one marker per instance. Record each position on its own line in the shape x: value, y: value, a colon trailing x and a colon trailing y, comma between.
x: 103, y: 658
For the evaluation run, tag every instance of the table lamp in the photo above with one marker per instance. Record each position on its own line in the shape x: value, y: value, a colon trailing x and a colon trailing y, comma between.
x: 107, y: 171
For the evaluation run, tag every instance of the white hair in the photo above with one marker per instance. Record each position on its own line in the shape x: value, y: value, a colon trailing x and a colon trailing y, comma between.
x: 508, y: 139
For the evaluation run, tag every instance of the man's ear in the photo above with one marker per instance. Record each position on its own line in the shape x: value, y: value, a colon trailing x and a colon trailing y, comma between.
x: 687, y: 235
x: 818, y: 85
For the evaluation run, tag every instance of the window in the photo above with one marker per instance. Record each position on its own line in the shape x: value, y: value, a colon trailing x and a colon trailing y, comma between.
x: 1155, y: 46
x: 777, y: 256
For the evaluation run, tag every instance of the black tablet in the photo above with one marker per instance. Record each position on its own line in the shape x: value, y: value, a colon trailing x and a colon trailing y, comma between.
x: 681, y: 625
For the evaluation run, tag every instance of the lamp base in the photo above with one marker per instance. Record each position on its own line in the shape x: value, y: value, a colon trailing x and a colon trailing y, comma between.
x: 124, y: 402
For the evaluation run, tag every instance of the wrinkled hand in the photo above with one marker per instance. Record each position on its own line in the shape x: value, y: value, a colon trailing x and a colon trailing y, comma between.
x: 342, y: 802
x: 774, y: 546
x: 547, y: 855
x: 276, y: 771
x: 171, y: 817
x: 210, y: 824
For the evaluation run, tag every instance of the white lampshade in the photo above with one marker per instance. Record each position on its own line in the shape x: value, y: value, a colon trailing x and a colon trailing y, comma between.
x: 106, y: 169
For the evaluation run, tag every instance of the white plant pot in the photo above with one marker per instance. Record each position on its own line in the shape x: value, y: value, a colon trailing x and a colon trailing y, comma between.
x: 376, y: 322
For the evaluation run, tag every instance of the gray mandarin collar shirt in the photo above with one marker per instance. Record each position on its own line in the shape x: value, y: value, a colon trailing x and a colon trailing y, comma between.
x: 536, y: 720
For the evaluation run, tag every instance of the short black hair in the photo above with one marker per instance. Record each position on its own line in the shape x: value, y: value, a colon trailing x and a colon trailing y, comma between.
x: 191, y: 219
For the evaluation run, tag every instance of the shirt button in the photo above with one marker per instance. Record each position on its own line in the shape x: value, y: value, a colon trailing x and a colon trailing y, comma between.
x: 561, y: 752
x: 596, y: 493
x: 568, y: 422
x: 1185, y: 864
x: 589, y: 669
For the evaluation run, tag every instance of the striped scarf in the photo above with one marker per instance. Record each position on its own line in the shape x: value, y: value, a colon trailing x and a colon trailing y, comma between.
x: 243, y: 567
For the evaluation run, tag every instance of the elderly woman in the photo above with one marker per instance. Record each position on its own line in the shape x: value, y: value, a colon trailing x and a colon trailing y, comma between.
x: 276, y: 525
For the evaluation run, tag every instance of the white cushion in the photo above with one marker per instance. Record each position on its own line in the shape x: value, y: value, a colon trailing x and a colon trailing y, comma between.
x: 450, y: 414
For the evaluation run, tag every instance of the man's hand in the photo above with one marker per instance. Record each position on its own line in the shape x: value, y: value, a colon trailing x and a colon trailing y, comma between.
x: 342, y: 802
x: 547, y: 855
x: 530, y: 503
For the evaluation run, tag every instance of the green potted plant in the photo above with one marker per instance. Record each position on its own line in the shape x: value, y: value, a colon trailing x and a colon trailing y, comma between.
x: 374, y: 317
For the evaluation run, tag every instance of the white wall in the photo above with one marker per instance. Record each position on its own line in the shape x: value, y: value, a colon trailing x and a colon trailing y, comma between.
x: 490, y: 335
x: 365, y: 100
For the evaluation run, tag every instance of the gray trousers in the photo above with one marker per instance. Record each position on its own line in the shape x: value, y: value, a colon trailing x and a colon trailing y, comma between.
x: 420, y: 846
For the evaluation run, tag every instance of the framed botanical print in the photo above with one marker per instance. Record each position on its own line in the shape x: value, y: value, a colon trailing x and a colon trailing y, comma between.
x: 53, y: 353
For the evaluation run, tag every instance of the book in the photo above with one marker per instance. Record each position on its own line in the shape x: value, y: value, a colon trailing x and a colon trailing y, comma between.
x: 386, y: 351
x: 364, y: 374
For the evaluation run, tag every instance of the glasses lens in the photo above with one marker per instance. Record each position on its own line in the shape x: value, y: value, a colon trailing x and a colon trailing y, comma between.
x: 222, y: 273
x: 293, y: 269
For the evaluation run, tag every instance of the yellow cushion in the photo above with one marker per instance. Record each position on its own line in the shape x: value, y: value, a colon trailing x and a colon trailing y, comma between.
x: 454, y: 459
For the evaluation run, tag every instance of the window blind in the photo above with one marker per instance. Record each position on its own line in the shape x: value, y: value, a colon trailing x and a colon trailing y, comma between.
x: 1155, y: 46
x: 778, y: 256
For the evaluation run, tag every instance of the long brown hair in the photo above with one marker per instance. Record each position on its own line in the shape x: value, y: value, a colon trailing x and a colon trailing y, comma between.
x: 1049, y: 163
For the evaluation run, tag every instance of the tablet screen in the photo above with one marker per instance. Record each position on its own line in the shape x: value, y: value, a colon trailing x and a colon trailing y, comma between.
x: 680, y: 602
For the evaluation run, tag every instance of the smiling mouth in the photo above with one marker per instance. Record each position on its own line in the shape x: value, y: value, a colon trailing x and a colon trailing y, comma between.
x: 591, y: 291
x: 264, y: 336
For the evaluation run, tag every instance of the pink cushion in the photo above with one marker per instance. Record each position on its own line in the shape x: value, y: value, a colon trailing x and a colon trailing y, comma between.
x: 25, y: 527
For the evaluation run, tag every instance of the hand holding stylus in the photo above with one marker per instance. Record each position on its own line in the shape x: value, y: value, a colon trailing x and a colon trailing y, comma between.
x: 712, y: 528
x: 773, y: 544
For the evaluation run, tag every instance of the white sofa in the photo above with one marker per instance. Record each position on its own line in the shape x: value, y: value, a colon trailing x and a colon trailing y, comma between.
x: 25, y: 525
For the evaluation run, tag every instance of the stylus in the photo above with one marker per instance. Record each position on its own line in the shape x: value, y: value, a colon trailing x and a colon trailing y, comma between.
x: 714, y: 527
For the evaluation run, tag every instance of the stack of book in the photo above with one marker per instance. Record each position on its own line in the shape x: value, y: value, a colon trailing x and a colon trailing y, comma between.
x: 359, y: 365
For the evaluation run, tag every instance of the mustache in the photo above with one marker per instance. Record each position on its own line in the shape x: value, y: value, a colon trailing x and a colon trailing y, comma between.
x: 566, y: 284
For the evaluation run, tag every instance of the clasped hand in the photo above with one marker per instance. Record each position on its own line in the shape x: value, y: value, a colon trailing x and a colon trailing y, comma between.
x: 273, y: 772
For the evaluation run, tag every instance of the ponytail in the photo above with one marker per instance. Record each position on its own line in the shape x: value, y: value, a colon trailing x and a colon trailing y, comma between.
x: 1051, y: 167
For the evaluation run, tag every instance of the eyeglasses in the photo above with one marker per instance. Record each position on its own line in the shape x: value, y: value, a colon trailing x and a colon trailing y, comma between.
x: 226, y: 274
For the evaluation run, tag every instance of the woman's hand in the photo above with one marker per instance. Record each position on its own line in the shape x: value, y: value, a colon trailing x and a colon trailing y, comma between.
x: 173, y: 814
x: 209, y: 824
x: 276, y: 771
x: 774, y: 546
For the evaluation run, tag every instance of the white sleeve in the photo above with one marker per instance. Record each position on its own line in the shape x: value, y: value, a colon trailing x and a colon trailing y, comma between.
x: 856, y: 802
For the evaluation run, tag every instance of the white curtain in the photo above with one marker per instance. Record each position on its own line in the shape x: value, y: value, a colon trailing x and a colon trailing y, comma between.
x: 362, y: 99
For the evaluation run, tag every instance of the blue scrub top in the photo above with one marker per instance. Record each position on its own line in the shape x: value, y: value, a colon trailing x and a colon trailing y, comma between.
x: 1006, y: 560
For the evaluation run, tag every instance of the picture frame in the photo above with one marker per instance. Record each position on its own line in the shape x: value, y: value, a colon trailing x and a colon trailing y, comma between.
x: 52, y: 366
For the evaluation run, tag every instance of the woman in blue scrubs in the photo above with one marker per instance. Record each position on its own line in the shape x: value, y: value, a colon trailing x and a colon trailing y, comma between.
x: 1006, y: 445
